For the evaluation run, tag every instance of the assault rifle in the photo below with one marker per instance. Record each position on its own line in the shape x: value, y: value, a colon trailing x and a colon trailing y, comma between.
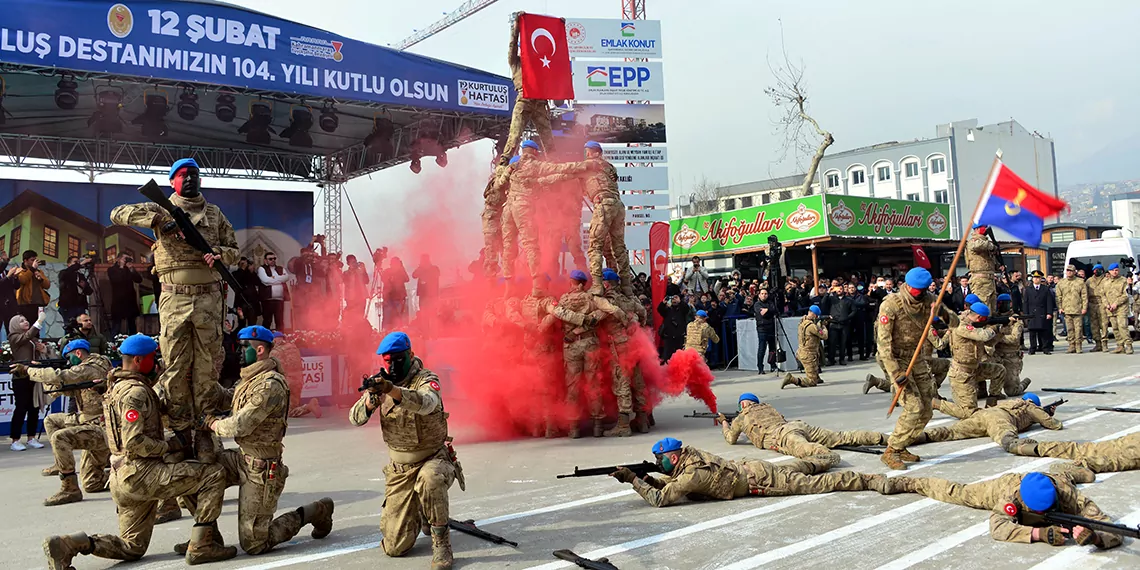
x: 709, y: 415
x: 6, y: 367
x: 1125, y: 410
x: 468, y: 527
x: 1052, y: 408
x: 996, y: 321
x: 370, y: 381
x: 859, y: 449
x: 1075, y: 391
x: 599, y: 564
x: 193, y: 237
x: 1047, y: 518
x: 640, y: 469
x: 76, y: 387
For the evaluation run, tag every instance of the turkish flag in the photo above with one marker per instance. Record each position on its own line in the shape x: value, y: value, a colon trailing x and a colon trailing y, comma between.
x: 920, y: 259
x: 658, y: 260
x: 545, y: 58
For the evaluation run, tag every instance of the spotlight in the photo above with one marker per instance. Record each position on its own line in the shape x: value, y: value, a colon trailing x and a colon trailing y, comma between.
x: 106, y: 119
x: 329, y: 120
x: 298, y: 130
x: 67, y: 93
x: 225, y: 109
x: 380, y: 139
x: 153, y: 119
x: 415, y: 165
x: 441, y: 159
x: 188, y: 105
x: 257, y: 128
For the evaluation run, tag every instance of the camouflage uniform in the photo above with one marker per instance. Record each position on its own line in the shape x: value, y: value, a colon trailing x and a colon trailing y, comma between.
x: 1120, y: 454
x: 1114, y: 291
x: 811, y: 333
x: 1007, y: 352
x: 1004, y: 493
x: 139, y: 476
x: 533, y: 111
x: 969, y: 367
x: 293, y: 367
x: 1098, y: 325
x: 494, y: 197
x: 580, y: 341
x: 618, y: 336
x: 767, y: 429
x: 1073, y: 301
x: 190, y: 307
x: 980, y: 255
x: 698, y: 335
x: 939, y: 367
x: 84, y: 430
x: 1001, y: 423
x: 701, y: 475
x: 607, y: 224
x: 422, y: 466
x: 543, y: 346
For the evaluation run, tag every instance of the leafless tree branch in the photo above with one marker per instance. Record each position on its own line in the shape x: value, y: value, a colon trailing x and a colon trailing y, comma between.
x: 705, y: 197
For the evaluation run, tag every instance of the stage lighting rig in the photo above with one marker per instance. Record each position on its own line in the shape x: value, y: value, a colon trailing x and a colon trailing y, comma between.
x: 153, y: 118
x: 329, y: 120
x: 441, y: 159
x: 380, y: 139
x: 67, y: 93
x: 415, y: 163
x: 105, y: 119
x: 188, y: 105
x: 298, y: 130
x: 257, y: 128
x: 225, y: 107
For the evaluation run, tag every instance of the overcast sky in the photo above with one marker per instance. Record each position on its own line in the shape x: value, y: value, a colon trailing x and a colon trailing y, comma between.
x: 878, y: 70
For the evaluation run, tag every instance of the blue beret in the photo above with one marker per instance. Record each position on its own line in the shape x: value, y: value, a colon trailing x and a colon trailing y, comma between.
x: 579, y: 275
x: 815, y: 310
x: 78, y: 344
x: 182, y: 164
x: 530, y: 144
x: 972, y: 298
x: 594, y: 145
x: 1031, y: 397
x: 138, y: 345
x: 937, y: 319
x: 750, y: 397
x: 514, y: 159
x: 278, y: 334
x: 256, y: 332
x: 919, y: 278
x: 981, y: 309
x: 666, y: 445
x: 1038, y: 492
x: 703, y: 314
x: 610, y: 275
x: 1113, y: 266
x: 394, y: 342
x: 1098, y: 266
x: 1004, y: 297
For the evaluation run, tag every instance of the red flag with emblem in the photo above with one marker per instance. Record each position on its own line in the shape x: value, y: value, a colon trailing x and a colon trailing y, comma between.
x: 920, y: 259
x: 545, y: 58
x: 658, y: 265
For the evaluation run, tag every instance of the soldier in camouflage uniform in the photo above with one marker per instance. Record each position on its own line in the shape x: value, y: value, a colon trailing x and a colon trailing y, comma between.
x: 1092, y: 457
x: 1073, y: 303
x: 1000, y: 423
x: 701, y: 475
x: 260, y: 409
x: 629, y: 400
x: 580, y: 341
x: 607, y: 222
x: 766, y: 428
x: 1011, y: 494
x: 139, y: 476
x: 969, y: 365
x: 494, y: 198
x: 84, y: 430
x: 902, y: 318
x: 532, y: 111
x: 811, y: 333
x: 1098, y: 325
x: 422, y: 463
x: 293, y: 367
x: 939, y: 367
x: 699, y: 334
x: 191, y: 304
x: 1114, y: 292
x: 981, y: 255
x: 1007, y: 349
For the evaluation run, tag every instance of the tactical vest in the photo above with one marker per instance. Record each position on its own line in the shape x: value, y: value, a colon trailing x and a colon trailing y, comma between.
x: 759, y: 419
x: 602, y: 184
x: 967, y: 352
x: 580, y: 302
x: 807, y: 342
x: 131, y: 384
x: 90, y: 402
x: 266, y: 441
x: 408, y: 432
x: 723, y: 473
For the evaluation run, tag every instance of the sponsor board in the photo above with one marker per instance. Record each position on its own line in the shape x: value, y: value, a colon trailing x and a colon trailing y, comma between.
x: 789, y: 220
x: 613, y: 81
x: 856, y: 216
x: 318, y: 376
x: 482, y: 95
x: 646, y: 178
x: 618, y: 123
x: 655, y: 154
x: 588, y: 37
x: 646, y: 216
x: 660, y: 199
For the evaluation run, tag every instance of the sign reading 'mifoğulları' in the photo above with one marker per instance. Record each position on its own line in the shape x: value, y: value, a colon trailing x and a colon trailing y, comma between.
x: 725, y: 231
x: 856, y: 216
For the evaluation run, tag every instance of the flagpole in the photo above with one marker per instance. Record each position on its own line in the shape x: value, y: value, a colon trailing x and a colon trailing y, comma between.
x: 942, y: 290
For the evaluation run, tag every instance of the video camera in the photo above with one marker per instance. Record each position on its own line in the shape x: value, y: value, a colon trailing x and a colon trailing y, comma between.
x: 379, y: 255
x: 1128, y: 264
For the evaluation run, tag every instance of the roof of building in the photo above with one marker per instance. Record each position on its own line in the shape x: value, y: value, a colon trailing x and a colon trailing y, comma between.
x: 29, y: 199
x: 877, y: 146
x: 1080, y: 226
x: 780, y: 183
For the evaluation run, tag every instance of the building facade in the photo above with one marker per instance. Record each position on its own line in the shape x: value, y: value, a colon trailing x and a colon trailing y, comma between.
x: 1126, y: 212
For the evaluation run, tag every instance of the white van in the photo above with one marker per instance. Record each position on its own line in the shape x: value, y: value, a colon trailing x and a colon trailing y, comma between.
x: 1113, y: 247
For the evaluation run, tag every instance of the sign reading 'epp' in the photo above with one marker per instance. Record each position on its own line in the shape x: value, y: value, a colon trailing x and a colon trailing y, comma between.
x: 640, y: 81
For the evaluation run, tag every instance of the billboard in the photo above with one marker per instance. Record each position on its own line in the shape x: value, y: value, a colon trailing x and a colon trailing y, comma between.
x: 614, y: 81
x: 789, y: 220
x: 855, y: 216
x: 588, y: 37
x: 660, y: 199
x: 619, y: 123
x: 655, y: 154
x: 640, y: 178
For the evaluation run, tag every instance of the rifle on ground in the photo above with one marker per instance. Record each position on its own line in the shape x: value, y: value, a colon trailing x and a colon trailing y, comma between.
x: 468, y: 527
x: 709, y: 415
x: 1068, y: 521
x: 1125, y: 410
x: 193, y: 237
x: 6, y: 367
x: 640, y: 469
x: 1052, y: 408
x: 77, y: 386
x: 1075, y: 391
x: 859, y: 449
x: 599, y: 564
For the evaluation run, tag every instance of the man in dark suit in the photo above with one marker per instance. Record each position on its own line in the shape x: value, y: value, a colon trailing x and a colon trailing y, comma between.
x: 1039, y: 306
x: 958, y: 294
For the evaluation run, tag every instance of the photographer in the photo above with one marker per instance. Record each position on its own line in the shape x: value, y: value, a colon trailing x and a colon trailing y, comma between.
x: 766, y: 312
x: 355, y: 286
x: 74, y: 287
x: 124, y: 297
x: 32, y: 291
x: 696, y: 277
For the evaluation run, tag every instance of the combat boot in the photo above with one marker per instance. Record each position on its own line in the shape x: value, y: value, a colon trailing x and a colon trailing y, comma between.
x: 168, y: 510
x: 788, y: 380
x: 551, y: 429
x: 1025, y: 384
x: 1075, y: 472
x: 891, y: 459
x: 907, y: 456
x: 877, y: 483
x: 441, y: 557
x: 622, y: 428
x: 1097, y: 348
x: 68, y: 491
x: 50, y: 471
x: 599, y: 431
x: 180, y: 548
x: 205, y: 545
x: 319, y: 514
x: 573, y: 432
x: 641, y: 423
x: 61, y: 549
x: 1023, y: 447
x: 314, y: 407
x: 869, y: 383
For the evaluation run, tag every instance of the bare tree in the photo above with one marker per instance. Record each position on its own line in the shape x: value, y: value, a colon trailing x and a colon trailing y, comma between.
x: 705, y: 197
x: 802, y: 134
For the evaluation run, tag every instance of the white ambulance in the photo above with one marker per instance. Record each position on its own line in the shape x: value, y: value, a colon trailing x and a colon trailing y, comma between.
x: 1112, y: 247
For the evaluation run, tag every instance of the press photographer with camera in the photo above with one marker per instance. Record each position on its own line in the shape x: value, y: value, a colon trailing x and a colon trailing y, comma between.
x: 124, y: 297
x: 74, y: 287
x: 32, y: 291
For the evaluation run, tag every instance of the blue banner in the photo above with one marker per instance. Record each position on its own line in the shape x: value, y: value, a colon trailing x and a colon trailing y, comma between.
x: 230, y: 46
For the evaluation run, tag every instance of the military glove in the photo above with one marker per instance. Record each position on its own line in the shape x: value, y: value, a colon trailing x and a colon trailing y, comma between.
x: 1054, y: 535
x: 205, y: 422
x: 170, y: 228
x: 383, y: 385
x: 901, y: 379
x: 624, y: 474
x: 175, y: 443
x: 1086, y: 536
x: 720, y: 419
x: 21, y: 369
